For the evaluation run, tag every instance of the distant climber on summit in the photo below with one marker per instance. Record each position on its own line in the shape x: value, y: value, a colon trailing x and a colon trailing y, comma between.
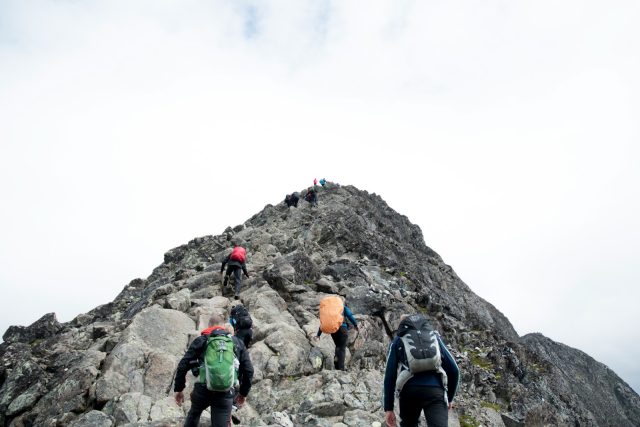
x: 312, y: 197
x: 323, y: 182
x: 315, y: 181
x: 236, y: 261
x: 333, y: 320
x: 292, y: 199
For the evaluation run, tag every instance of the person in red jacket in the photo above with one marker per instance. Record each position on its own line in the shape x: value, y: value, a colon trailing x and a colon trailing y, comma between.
x: 235, y: 262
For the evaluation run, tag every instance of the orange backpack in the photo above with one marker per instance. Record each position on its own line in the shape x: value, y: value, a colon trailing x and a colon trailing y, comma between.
x: 331, y: 314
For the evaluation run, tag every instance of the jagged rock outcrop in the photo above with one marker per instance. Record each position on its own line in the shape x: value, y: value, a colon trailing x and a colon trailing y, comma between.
x: 114, y: 366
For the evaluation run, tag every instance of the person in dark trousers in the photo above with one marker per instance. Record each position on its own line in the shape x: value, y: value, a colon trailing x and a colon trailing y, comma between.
x: 292, y: 199
x: 242, y: 324
x: 341, y: 338
x: 427, y: 391
x: 221, y: 403
x: 312, y: 197
x: 235, y: 265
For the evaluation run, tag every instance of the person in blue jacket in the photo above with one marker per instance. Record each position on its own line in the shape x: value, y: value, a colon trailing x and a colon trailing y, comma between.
x: 430, y: 391
x: 341, y: 338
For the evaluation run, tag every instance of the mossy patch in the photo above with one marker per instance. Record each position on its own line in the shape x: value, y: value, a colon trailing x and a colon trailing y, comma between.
x: 480, y: 360
x: 468, y: 421
x: 496, y: 407
x: 537, y: 368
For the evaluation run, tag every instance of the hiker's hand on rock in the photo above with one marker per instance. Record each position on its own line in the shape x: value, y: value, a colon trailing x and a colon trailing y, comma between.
x: 240, y: 401
x: 390, y: 418
x: 179, y: 398
x: 450, y: 405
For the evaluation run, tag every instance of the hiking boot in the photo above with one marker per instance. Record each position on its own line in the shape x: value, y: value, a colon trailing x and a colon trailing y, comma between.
x: 225, y: 281
x: 236, y: 296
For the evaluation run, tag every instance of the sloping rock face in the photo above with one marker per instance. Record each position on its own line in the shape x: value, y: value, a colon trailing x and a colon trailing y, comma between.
x: 114, y: 366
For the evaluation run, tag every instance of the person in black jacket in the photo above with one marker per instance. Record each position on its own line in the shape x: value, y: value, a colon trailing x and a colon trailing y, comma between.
x: 242, y: 323
x: 221, y: 403
x: 292, y: 199
x: 431, y: 391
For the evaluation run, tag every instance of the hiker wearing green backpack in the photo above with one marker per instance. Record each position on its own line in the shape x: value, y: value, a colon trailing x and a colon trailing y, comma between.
x: 223, y: 368
x: 422, y: 372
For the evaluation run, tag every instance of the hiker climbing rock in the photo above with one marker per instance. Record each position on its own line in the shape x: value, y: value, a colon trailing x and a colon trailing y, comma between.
x: 292, y: 199
x: 323, y: 182
x: 236, y: 264
x: 312, y: 196
x: 241, y: 321
x: 224, y: 369
x: 422, y: 372
x: 333, y: 320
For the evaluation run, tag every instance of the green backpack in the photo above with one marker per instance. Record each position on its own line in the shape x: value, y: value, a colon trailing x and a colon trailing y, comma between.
x: 220, y: 369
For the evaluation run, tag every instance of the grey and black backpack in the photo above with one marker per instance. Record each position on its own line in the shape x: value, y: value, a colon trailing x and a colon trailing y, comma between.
x: 421, y: 349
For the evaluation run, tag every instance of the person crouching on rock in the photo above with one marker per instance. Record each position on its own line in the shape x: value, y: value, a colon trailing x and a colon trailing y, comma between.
x: 292, y: 199
x: 224, y: 369
x: 235, y: 262
x: 333, y: 320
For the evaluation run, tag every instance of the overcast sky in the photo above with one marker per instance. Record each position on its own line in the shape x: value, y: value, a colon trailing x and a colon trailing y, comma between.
x: 508, y: 131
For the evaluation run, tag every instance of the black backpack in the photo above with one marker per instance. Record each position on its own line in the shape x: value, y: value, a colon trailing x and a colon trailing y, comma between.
x: 240, y: 318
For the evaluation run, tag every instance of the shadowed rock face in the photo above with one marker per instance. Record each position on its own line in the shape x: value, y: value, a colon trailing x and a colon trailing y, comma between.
x: 115, y: 365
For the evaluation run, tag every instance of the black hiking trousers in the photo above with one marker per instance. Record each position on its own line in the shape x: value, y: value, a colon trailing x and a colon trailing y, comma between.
x: 340, y: 339
x: 245, y: 335
x: 237, y: 274
x: 414, y: 399
x: 221, y: 405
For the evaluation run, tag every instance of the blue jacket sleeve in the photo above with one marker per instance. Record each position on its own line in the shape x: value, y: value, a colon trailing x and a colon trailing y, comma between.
x: 451, y: 368
x: 349, y: 316
x: 390, y: 373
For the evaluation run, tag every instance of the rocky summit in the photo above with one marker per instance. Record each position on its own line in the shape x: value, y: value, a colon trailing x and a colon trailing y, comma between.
x: 114, y: 366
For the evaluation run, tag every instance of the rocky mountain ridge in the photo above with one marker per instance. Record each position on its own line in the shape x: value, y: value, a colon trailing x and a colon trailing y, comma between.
x: 114, y: 366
